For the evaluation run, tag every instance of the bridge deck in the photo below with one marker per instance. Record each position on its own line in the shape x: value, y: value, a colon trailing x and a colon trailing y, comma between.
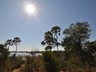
x: 25, y: 51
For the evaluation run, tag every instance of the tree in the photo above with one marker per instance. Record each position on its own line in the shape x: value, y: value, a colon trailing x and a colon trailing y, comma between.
x: 3, y: 56
x: 16, y: 41
x: 49, y: 41
x: 75, y: 37
x: 90, y: 49
x: 8, y: 43
x: 56, y: 32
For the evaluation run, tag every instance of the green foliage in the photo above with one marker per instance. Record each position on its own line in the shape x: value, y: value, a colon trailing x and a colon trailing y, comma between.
x: 51, y: 38
x: 78, y: 54
x: 16, y: 41
x: 49, y: 41
x: 80, y: 30
x: 73, y: 63
x: 12, y: 63
x: 8, y: 43
x: 77, y: 51
x: 29, y: 64
x: 77, y: 34
x: 38, y: 64
x: 11, y: 42
x: 51, y: 62
x: 90, y: 49
x: 55, y: 30
x: 3, y: 56
x: 33, y: 64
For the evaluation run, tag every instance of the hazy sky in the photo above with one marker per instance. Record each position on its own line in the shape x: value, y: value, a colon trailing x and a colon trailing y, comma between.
x: 15, y: 22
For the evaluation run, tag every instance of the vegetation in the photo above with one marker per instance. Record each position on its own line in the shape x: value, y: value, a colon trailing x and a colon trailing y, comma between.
x: 79, y: 53
x: 11, y: 42
x: 51, y: 62
x: 16, y: 41
x: 3, y: 56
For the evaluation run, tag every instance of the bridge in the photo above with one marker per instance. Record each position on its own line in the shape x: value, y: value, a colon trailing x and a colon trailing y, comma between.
x: 31, y: 52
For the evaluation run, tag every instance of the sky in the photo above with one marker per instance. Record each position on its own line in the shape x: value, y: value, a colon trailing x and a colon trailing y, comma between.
x: 15, y: 22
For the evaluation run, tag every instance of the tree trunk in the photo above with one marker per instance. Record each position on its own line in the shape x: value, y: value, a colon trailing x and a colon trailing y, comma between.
x: 16, y: 50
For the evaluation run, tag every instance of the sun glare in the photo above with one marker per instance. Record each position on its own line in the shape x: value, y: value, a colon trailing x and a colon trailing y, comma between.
x: 30, y: 9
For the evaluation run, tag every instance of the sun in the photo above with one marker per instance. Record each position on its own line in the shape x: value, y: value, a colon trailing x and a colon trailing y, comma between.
x: 30, y: 9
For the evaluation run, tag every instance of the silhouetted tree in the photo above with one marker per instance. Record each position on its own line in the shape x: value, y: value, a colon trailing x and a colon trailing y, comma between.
x: 49, y: 41
x: 16, y: 41
x: 8, y: 43
x: 56, y: 32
